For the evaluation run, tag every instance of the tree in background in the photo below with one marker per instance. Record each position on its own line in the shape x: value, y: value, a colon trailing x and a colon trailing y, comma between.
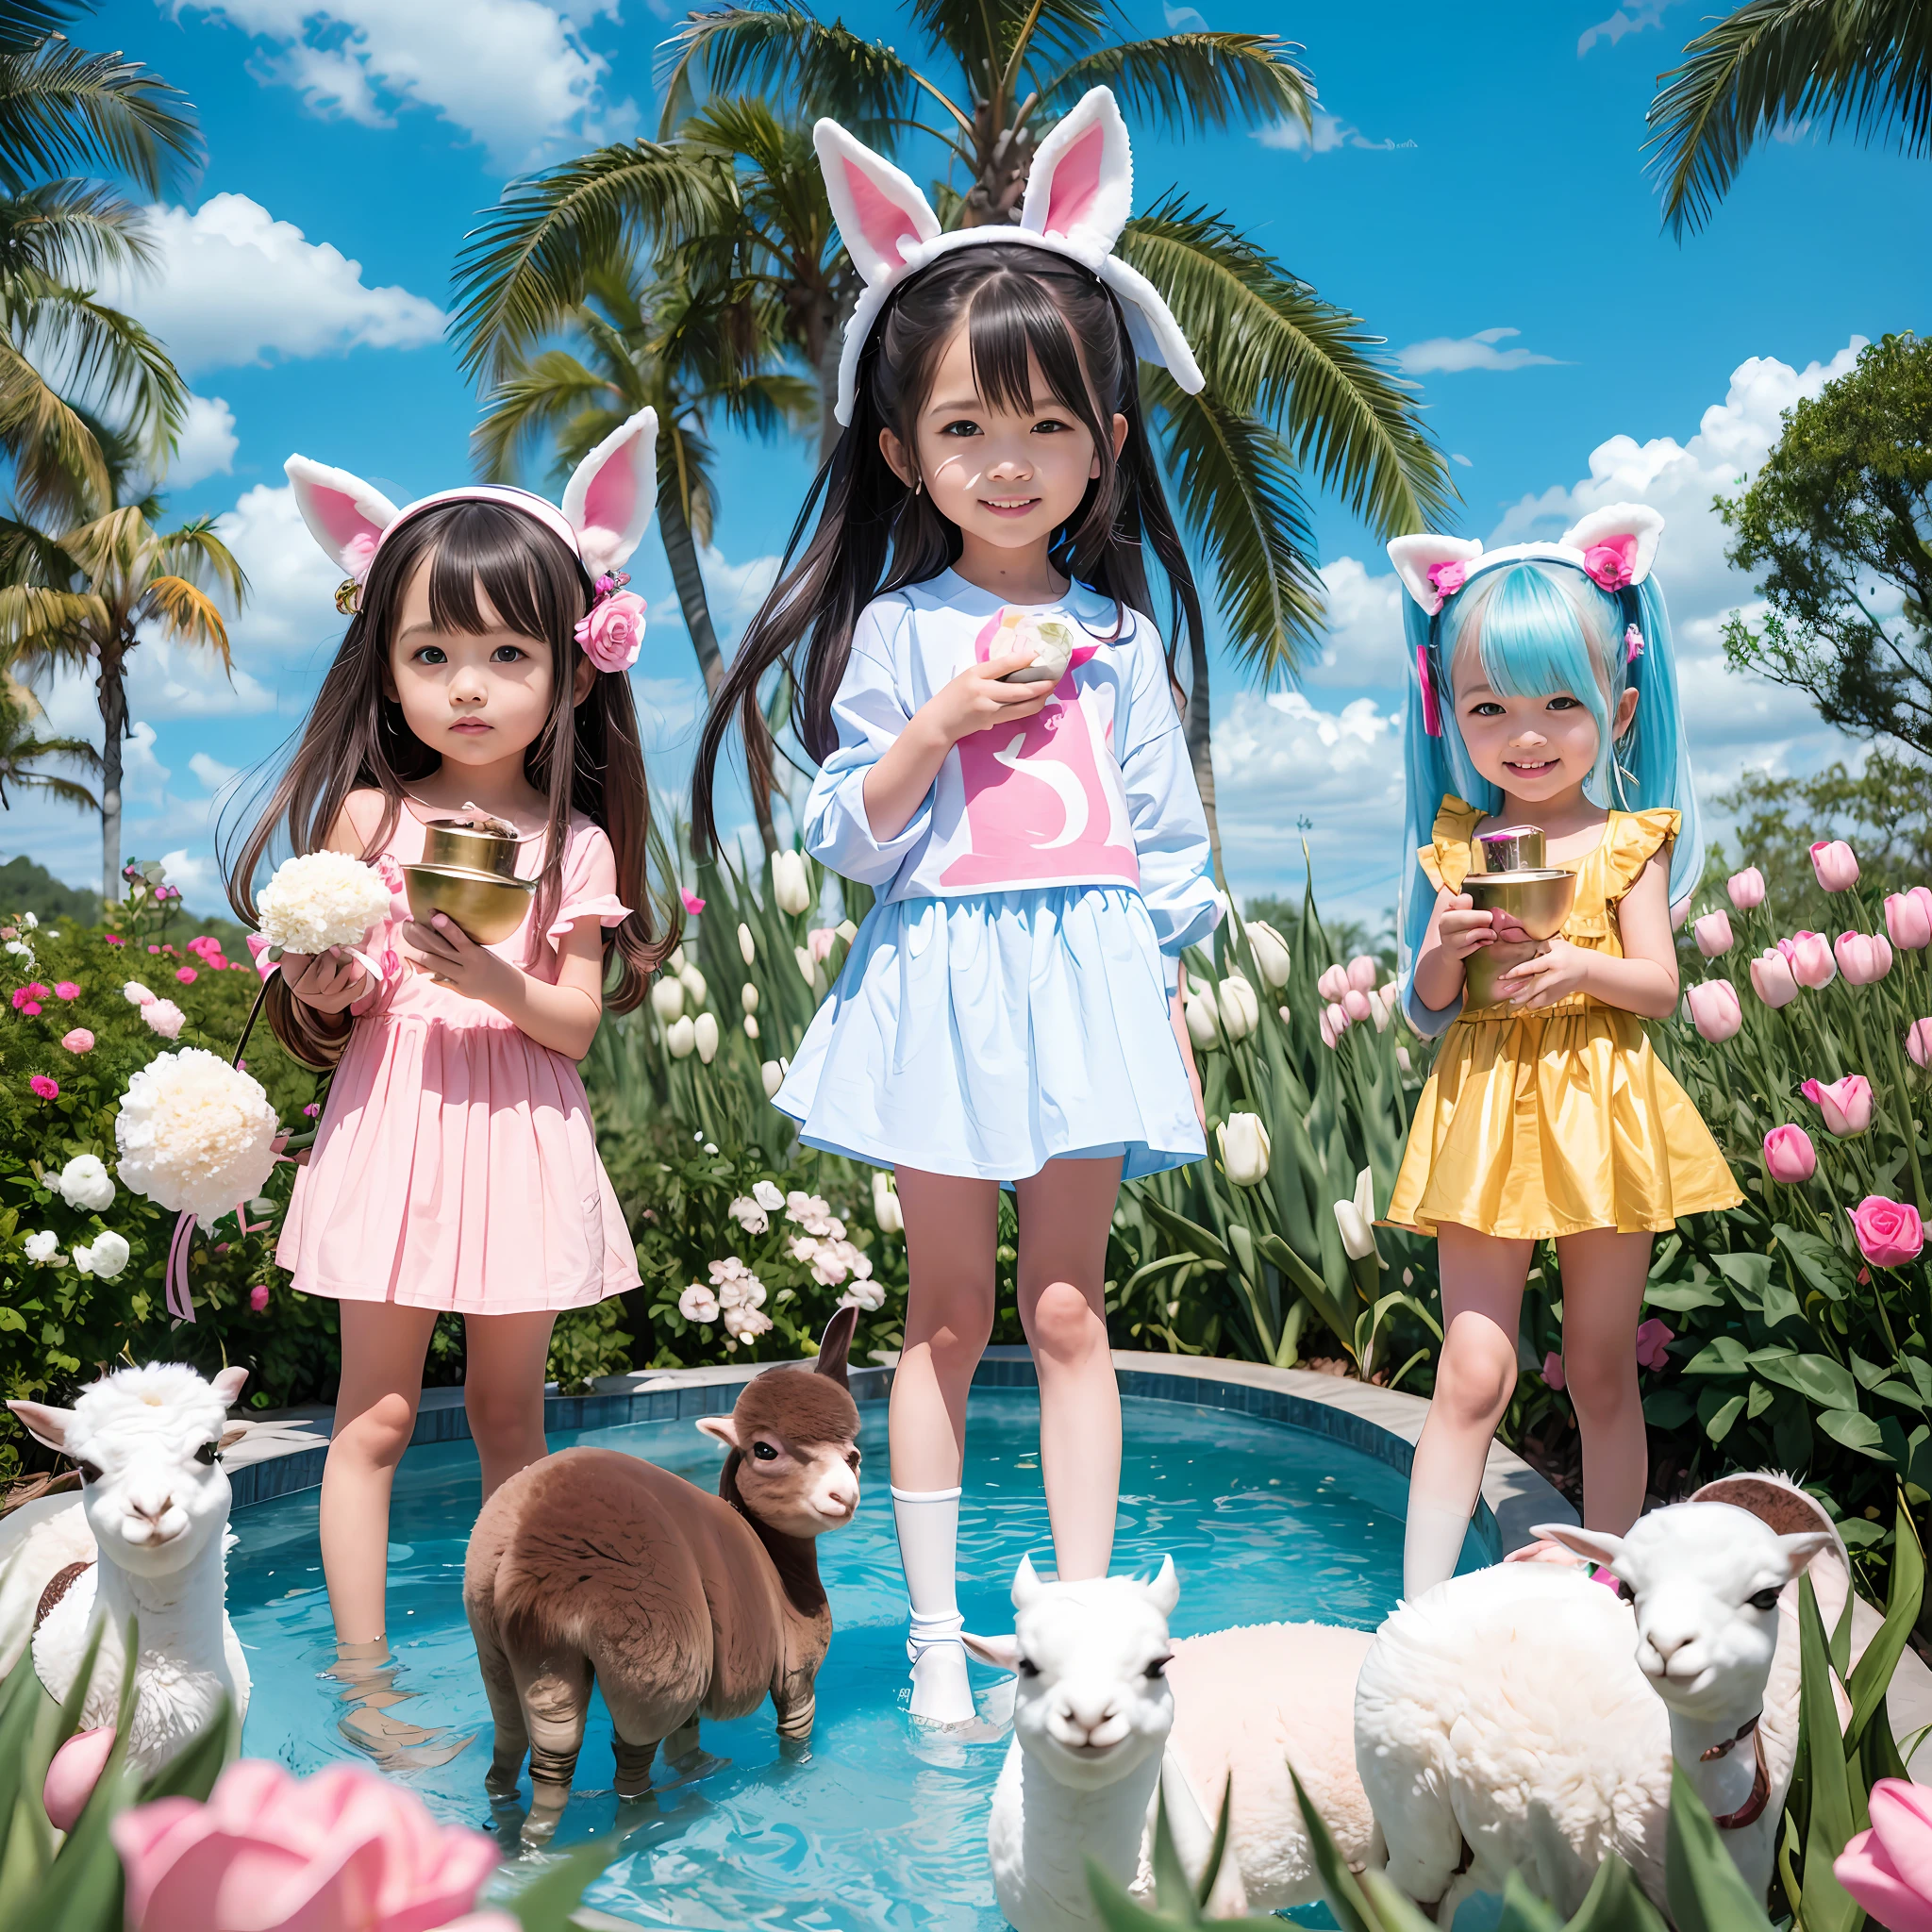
x: 1833, y: 526
x: 1883, y: 807
x: 1865, y: 65
x: 24, y: 751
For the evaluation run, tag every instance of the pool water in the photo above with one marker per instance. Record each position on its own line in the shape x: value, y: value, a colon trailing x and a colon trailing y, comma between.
x: 874, y: 1824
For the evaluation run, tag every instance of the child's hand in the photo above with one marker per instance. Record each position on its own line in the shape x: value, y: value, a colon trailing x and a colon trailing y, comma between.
x: 977, y: 699
x: 1547, y: 977
x: 326, y: 982
x: 1461, y: 928
x: 444, y: 948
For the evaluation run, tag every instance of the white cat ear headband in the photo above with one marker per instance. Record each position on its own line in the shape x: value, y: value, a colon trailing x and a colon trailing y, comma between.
x: 608, y: 506
x: 1614, y: 547
x: 1079, y: 192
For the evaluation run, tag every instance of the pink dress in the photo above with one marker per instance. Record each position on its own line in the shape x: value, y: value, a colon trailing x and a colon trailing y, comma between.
x: 455, y: 1165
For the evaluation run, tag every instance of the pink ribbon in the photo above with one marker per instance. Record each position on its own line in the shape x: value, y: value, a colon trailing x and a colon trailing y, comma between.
x: 1432, y: 716
x: 180, y: 1299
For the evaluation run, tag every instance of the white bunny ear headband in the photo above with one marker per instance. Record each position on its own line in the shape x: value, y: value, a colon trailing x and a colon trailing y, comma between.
x: 606, y: 507
x: 1079, y: 192
x: 1614, y: 547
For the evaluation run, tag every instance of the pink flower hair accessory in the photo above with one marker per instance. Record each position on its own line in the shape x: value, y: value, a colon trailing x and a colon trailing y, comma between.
x: 612, y: 630
x: 1633, y: 643
x: 1610, y: 564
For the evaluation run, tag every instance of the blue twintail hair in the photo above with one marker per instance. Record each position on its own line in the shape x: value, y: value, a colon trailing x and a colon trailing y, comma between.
x: 1540, y: 625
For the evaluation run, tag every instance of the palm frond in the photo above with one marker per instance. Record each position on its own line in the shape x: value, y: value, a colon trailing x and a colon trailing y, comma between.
x: 41, y: 625
x: 64, y: 110
x: 63, y: 232
x: 533, y: 400
x: 190, y: 614
x: 1234, y: 479
x: 112, y: 365
x: 67, y: 790
x: 24, y: 23
x: 1178, y: 79
x: 1271, y: 347
x: 196, y: 551
x: 58, y: 460
x: 1863, y: 64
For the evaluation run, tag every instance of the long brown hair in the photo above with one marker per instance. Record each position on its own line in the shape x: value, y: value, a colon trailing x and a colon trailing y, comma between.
x: 875, y: 535
x: 587, y: 758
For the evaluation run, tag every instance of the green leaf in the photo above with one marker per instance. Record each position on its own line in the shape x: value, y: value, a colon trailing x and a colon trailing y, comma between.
x: 1827, y: 1907
x: 1724, y: 1355
x: 1752, y: 1272
x: 1719, y: 1426
x: 192, y: 1774
x: 1905, y: 1596
x: 1119, y: 1912
x: 1817, y: 1260
x: 546, y: 1903
x: 1615, y: 1903
x: 1705, y: 1889
x: 1680, y: 1297
x: 1352, y: 1910
x: 1816, y: 1377
x: 1523, y: 1911
x: 1855, y: 1431
x: 1189, y: 1233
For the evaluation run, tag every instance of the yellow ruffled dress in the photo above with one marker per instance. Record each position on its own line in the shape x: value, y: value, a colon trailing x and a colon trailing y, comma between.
x: 1535, y: 1124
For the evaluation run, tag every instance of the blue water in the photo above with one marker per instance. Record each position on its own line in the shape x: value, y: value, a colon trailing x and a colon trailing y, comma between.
x: 874, y: 1825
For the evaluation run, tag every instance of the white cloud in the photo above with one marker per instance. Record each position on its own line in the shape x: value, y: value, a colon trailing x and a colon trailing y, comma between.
x: 1633, y: 19
x: 1363, y: 646
x: 207, y: 445
x: 513, y: 75
x: 1467, y: 462
x: 235, y: 286
x: 197, y: 875
x: 292, y: 584
x: 1450, y: 355
x: 211, y: 772
x: 1329, y: 133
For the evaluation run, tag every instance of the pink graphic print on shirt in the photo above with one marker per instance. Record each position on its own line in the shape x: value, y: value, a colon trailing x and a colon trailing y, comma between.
x: 1038, y: 802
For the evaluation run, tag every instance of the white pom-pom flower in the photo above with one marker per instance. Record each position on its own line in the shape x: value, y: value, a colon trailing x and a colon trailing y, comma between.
x: 319, y: 900
x: 196, y: 1135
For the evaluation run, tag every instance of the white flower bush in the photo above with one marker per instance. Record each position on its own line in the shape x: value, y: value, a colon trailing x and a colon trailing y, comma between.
x: 105, y: 1257
x: 196, y: 1136
x: 867, y: 1296
x: 745, y: 1324
x: 736, y: 1286
x: 749, y: 1215
x: 166, y: 1017
x: 768, y: 1196
x: 319, y: 900
x: 44, y: 1249
x: 698, y: 1304
x: 84, y: 1183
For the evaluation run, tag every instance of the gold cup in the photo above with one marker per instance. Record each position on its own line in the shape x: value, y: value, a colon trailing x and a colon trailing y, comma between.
x: 488, y: 905
x: 461, y: 846
x: 1537, y: 899
x: 1511, y: 848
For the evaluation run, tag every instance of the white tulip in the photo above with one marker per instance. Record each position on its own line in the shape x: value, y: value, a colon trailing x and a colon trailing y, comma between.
x: 885, y: 1204
x: 747, y: 947
x: 705, y: 1034
x: 1381, y: 1008
x: 692, y: 982
x: 774, y: 1076
x: 1240, y: 1006
x: 667, y: 1000
x: 681, y: 1037
x: 748, y: 997
x: 846, y: 930
x: 1356, y: 1218
x: 751, y: 1027
x: 1271, y: 952
x: 803, y: 956
x: 675, y: 963
x: 84, y: 1184
x: 1203, y: 1030
x: 1246, y: 1149
x: 790, y: 884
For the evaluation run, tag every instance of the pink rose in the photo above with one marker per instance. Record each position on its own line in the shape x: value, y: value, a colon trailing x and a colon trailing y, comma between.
x: 27, y: 998
x: 1714, y: 1009
x: 693, y: 903
x: 1356, y: 1005
x: 1334, y: 1024
x: 1864, y: 958
x: 343, y: 1851
x: 1888, y: 1869
x: 1612, y: 564
x: 257, y: 1296
x: 166, y: 1017
x: 73, y: 1775
x: 1333, y: 984
x: 186, y: 975
x: 1772, y: 981
x: 613, y: 631
x: 113, y: 939
x: 1908, y: 919
x: 1653, y: 1343
x: 1809, y: 959
x: 1846, y: 1104
x: 1887, y: 1231
x: 1447, y: 578
x: 66, y: 990
x: 1788, y: 1156
x: 1836, y: 865
x: 1553, y: 1371
x: 1918, y: 1042
x: 1747, y: 889
x: 1363, y: 972
x: 1712, y: 934
x: 43, y: 1087
x: 79, y: 1041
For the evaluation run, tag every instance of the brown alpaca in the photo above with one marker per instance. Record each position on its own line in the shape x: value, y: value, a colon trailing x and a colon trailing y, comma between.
x: 593, y: 1564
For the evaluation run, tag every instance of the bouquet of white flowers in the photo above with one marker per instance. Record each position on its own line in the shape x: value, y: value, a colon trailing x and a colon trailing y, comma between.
x: 319, y: 900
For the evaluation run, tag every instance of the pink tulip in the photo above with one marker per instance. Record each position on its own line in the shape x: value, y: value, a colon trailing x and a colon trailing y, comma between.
x: 1809, y: 959
x: 1653, y: 1343
x: 1363, y: 972
x: 1772, y: 981
x: 1714, y: 1009
x: 1888, y: 1869
x: 819, y: 943
x: 73, y: 1775
x: 1864, y: 958
x: 1747, y: 889
x: 1356, y: 1005
x: 1836, y: 865
x: 79, y: 1041
x: 1333, y: 984
x: 343, y: 1851
x: 1918, y: 1042
x: 1552, y: 1370
x: 1908, y: 919
x: 257, y: 1296
x: 1334, y: 1024
x: 1712, y: 934
x: 1889, y: 1231
x: 1846, y: 1104
x: 1788, y: 1156
x: 693, y: 903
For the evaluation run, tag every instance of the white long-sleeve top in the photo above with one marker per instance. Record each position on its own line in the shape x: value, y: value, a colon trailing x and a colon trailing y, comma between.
x: 1096, y: 788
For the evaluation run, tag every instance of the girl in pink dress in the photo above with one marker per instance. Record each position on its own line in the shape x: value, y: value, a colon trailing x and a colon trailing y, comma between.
x: 455, y: 1167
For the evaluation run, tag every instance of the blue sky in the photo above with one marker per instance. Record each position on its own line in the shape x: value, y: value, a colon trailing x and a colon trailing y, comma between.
x: 1474, y: 191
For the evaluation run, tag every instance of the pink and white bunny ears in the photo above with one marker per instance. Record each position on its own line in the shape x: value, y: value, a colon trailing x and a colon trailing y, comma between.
x: 1613, y: 546
x: 606, y: 507
x: 1079, y: 193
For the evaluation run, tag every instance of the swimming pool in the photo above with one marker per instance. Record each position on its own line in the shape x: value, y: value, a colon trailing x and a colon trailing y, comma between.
x: 873, y: 1824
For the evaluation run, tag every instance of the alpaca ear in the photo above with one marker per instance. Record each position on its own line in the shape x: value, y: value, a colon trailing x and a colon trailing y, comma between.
x: 879, y: 212
x: 1002, y: 1653
x: 1027, y: 1584
x: 47, y: 1427
x: 346, y: 515
x: 835, y: 1346
x: 613, y: 494
x: 1165, y: 1590
x: 229, y: 1385
x: 1800, y: 1549
x: 1082, y: 183
x: 1593, y: 1546
x: 723, y: 1427
x: 1624, y: 536
x: 1415, y: 556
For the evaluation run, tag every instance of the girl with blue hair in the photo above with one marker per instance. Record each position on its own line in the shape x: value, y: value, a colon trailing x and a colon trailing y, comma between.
x: 1545, y: 702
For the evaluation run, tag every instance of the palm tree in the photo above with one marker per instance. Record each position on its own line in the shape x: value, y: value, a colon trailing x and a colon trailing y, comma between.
x: 1866, y: 64
x: 22, y: 750
x: 83, y: 598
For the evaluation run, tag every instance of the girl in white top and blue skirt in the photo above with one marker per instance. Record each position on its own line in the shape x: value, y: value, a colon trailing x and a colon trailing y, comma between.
x: 1001, y: 758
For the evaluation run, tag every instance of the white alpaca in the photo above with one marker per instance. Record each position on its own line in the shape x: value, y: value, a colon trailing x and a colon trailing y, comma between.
x: 1526, y: 1716
x: 148, y: 1445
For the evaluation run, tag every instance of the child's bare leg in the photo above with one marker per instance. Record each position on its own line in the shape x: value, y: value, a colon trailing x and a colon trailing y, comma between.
x: 1064, y: 1213
x: 1482, y: 1300
x: 383, y: 1346
x: 951, y: 1226
x: 1604, y: 1276
x: 503, y: 1390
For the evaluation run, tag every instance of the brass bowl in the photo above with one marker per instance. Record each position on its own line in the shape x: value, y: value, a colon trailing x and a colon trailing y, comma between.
x: 469, y: 848
x: 486, y: 906
x: 1538, y: 901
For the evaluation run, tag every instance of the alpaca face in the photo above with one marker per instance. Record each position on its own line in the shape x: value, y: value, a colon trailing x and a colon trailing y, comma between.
x: 796, y: 1434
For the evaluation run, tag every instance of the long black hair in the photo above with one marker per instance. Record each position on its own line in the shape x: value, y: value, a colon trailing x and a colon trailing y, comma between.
x: 875, y: 534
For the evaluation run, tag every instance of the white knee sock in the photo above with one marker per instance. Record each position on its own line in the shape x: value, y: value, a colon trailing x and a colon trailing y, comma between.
x: 1431, y: 1542
x: 928, y: 1526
